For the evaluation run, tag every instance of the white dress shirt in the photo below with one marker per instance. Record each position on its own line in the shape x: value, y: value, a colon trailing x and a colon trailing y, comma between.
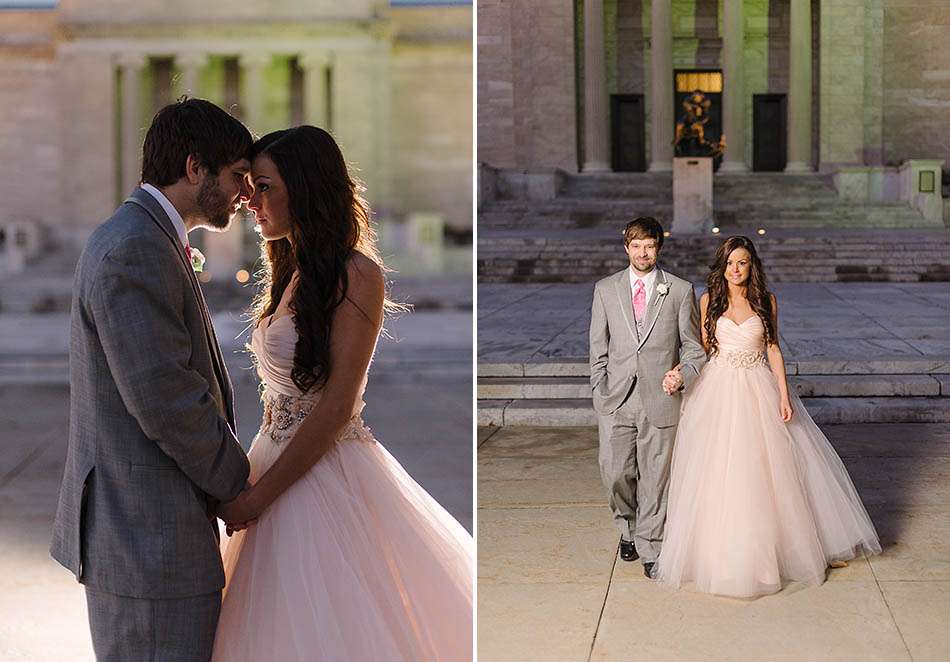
x: 648, y: 283
x: 173, y: 214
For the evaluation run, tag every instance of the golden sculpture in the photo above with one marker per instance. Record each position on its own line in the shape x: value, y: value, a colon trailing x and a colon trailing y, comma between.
x: 690, y: 137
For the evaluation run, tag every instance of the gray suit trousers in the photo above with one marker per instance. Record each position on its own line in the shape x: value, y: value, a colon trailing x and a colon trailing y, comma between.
x: 635, y: 462
x: 139, y: 630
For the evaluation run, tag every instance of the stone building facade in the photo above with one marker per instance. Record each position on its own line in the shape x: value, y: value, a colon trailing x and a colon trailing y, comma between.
x: 812, y: 85
x: 80, y: 80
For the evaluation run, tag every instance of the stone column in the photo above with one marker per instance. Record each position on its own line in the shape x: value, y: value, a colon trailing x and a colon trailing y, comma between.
x: 661, y: 78
x: 733, y: 93
x: 799, y: 88
x: 314, y: 66
x: 131, y: 65
x: 252, y: 94
x: 225, y: 249
x: 191, y: 65
x: 596, y: 157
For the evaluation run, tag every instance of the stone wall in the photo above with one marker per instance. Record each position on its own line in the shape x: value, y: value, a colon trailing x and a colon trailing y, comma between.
x: 29, y: 145
x: 916, y: 85
x: 842, y: 82
x: 188, y: 11
x: 432, y: 113
x: 432, y: 137
x: 527, y: 117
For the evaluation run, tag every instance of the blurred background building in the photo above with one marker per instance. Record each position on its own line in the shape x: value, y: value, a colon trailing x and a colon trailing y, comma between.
x: 81, y: 79
x: 836, y: 117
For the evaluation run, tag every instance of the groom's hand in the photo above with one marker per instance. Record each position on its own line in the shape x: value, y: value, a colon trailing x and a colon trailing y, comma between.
x: 239, y: 513
x: 672, y: 381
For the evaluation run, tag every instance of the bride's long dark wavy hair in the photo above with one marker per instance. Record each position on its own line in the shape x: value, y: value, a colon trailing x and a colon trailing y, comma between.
x: 756, y: 291
x: 329, y: 222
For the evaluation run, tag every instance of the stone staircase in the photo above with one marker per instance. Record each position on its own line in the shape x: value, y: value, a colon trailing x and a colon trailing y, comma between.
x: 788, y: 256
x: 810, y: 234
x: 557, y: 393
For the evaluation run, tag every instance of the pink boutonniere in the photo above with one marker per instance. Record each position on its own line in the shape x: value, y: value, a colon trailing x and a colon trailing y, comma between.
x: 196, y: 257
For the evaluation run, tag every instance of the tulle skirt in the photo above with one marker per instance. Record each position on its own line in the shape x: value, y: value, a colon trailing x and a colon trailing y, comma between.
x: 355, y: 561
x: 755, y: 502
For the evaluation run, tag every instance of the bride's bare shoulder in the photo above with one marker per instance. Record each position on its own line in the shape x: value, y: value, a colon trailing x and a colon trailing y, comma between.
x: 364, y: 272
x: 366, y: 285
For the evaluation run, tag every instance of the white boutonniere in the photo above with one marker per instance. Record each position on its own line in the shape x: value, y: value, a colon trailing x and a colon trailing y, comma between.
x: 196, y: 257
x: 663, y: 289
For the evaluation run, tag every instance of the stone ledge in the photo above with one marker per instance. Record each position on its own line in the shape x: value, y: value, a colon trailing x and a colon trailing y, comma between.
x: 825, y: 411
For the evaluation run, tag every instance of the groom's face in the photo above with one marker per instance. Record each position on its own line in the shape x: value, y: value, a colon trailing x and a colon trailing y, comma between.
x: 642, y: 254
x: 219, y: 196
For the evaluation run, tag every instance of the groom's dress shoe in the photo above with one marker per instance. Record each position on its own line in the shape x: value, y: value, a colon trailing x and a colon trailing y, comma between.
x: 649, y: 570
x: 628, y: 551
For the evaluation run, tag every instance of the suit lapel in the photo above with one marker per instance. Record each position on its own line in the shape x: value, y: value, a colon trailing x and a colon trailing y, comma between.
x: 145, y: 200
x: 625, y: 295
x: 654, y: 306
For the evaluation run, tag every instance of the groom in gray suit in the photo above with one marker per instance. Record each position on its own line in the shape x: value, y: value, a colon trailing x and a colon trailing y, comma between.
x: 645, y: 350
x: 152, y: 445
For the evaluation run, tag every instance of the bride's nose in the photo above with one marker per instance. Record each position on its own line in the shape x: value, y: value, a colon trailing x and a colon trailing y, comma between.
x: 254, y: 202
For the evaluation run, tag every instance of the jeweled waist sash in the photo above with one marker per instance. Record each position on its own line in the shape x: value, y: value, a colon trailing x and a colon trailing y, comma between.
x: 283, y: 414
x: 740, y: 358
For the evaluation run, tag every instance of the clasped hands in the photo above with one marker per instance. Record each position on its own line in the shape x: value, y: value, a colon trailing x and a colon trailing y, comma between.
x: 672, y: 381
x: 239, y: 513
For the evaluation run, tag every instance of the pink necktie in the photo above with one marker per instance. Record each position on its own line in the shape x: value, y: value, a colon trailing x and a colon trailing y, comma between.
x: 639, y: 299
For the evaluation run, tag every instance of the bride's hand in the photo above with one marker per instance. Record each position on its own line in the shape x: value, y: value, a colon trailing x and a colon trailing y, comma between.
x: 785, y: 409
x: 241, y: 512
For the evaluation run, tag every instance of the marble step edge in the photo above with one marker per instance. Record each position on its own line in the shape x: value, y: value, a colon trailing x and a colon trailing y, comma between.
x: 580, y: 367
x: 824, y: 411
x: 564, y: 388
x: 568, y: 279
x: 520, y: 259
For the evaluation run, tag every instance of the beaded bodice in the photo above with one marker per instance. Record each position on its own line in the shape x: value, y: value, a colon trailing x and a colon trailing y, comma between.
x: 740, y: 345
x: 285, y: 407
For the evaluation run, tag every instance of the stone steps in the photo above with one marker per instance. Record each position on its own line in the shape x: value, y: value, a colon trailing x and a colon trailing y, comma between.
x: 34, y: 369
x: 726, y: 218
x: 572, y: 367
x: 810, y: 386
x: 755, y: 200
x: 840, y: 255
x: 901, y: 389
x: 825, y: 411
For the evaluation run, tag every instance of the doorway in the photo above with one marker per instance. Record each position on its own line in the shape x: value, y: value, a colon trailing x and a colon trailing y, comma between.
x: 628, y: 146
x: 769, y: 133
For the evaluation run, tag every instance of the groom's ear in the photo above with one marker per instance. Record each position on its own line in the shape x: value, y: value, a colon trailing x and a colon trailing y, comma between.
x: 193, y: 169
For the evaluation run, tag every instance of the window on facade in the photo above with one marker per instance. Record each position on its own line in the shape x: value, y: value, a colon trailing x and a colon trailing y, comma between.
x: 704, y: 81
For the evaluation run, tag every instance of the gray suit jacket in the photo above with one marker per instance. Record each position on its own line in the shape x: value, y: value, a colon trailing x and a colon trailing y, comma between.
x: 620, y: 357
x: 151, y: 422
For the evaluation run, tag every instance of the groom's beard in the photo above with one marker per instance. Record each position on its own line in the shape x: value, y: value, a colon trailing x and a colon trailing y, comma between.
x: 214, y: 204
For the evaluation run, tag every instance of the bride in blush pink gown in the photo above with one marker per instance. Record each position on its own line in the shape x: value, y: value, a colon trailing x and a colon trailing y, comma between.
x: 758, y: 497
x: 339, y: 554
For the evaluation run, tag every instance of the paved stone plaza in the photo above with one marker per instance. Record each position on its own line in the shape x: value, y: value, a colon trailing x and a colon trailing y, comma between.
x: 418, y: 405
x: 817, y: 321
x: 551, y: 587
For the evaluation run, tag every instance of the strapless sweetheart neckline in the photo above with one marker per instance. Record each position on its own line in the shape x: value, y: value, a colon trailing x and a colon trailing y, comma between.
x: 739, y: 323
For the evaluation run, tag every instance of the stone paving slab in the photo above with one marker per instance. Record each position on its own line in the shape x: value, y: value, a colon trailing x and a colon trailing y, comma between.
x: 921, y: 611
x: 845, y: 322
x: 558, y: 626
x: 839, y: 621
x: 551, y: 587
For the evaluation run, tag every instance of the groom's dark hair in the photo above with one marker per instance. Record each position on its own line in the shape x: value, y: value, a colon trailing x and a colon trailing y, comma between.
x: 643, y: 227
x: 191, y: 126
